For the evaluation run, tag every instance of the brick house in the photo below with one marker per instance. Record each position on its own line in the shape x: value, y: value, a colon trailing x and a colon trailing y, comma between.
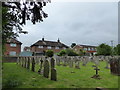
x: 91, y: 50
x: 41, y: 46
x: 13, y: 47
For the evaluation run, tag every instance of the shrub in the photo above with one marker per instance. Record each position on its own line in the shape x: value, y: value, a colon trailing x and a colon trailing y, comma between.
x: 62, y: 53
x: 70, y: 52
x: 49, y: 53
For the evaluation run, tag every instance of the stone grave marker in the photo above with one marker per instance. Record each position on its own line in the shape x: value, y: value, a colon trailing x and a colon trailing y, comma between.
x: 46, y: 69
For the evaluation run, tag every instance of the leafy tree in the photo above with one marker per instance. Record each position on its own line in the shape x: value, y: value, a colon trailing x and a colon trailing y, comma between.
x: 117, y: 50
x: 62, y: 53
x: 49, y: 53
x: 73, y: 44
x: 70, y: 52
x: 82, y: 52
x: 104, y: 49
x: 15, y: 14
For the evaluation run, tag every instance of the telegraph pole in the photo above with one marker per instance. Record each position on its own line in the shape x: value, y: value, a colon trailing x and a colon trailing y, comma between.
x: 112, y: 46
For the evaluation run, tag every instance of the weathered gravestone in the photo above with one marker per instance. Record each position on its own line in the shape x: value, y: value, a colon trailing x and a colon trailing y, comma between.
x: 46, y: 69
x: 115, y: 66
x: 28, y: 63
x: 40, y: 71
x: 33, y: 64
x: 53, y: 70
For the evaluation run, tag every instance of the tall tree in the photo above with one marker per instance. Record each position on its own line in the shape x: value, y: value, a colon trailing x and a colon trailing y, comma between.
x: 104, y: 49
x: 117, y: 50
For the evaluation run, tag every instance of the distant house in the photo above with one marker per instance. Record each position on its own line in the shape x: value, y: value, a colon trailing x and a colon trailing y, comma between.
x: 13, y: 47
x: 89, y: 49
x: 41, y: 46
x: 26, y: 52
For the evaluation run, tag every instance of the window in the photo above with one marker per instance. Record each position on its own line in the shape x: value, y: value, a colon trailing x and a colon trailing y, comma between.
x: 49, y: 47
x: 85, y: 49
x: 40, y: 46
x: 88, y: 49
x: 12, y: 53
x: 56, y: 47
x: 13, y: 45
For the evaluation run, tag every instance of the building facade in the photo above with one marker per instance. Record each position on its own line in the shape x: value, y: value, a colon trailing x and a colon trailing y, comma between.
x: 13, y: 47
x: 91, y: 50
x: 41, y: 46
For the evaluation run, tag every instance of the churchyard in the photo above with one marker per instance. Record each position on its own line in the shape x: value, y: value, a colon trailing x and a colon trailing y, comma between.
x: 62, y: 72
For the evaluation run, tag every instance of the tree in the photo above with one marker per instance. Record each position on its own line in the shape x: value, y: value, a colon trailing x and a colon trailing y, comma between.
x: 70, y: 52
x: 117, y: 50
x: 82, y: 52
x: 73, y: 44
x: 15, y: 14
x: 49, y: 53
x: 62, y: 53
x: 104, y: 49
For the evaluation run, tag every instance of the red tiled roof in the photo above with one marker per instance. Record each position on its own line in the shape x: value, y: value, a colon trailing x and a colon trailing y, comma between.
x: 12, y: 40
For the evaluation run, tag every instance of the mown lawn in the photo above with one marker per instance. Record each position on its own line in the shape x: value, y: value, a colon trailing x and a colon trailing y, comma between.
x: 16, y: 76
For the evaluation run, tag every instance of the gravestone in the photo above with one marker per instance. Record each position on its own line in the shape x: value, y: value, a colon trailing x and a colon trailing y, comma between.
x: 46, y: 69
x: 33, y: 64
x: 40, y: 71
x: 96, y: 76
x: 28, y: 63
x: 115, y: 65
x: 77, y: 65
x: 53, y: 74
x: 53, y: 70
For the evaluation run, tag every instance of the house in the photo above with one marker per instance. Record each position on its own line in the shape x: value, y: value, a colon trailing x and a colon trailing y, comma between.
x: 26, y: 51
x: 41, y: 46
x: 91, y: 50
x: 13, y: 47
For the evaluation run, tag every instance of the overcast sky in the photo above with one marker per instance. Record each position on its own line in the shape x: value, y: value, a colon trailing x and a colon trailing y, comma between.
x: 90, y: 23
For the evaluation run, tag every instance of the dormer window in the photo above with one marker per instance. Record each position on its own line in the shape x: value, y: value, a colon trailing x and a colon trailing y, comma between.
x: 56, y: 47
x: 40, y: 46
x: 49, y: 47
x: 13, y: 45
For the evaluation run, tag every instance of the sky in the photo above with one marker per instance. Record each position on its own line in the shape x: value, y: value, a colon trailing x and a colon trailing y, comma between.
x: 88, y: 23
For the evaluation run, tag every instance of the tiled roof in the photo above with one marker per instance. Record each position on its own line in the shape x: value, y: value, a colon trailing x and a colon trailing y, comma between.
x: 49, y: 43
x: 12, y: 40
x: 87, y: 46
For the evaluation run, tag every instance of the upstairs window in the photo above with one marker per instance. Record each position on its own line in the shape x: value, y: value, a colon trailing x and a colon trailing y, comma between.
x: 57, y: 48
x: 40, y: 46
x: 49, y: 47
x: 89, y: 49
x: 13, y: 45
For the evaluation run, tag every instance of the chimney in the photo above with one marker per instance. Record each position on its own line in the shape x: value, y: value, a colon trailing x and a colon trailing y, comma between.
x: 58, y: 40
x: 43, y: 39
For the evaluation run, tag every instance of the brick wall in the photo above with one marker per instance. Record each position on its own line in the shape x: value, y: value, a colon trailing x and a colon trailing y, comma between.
x: 17, y: 49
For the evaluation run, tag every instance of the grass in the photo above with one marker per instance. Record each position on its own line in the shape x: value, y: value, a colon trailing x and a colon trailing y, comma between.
x: 19, y: 77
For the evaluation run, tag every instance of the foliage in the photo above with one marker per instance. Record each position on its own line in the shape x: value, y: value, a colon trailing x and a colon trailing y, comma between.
x: 82, y: 52
x: 70, y: 52
x: 117, y: 50
x: 62, y: 53
x: 73, y: 44
x: 49, y: 53
x: 104, y: 49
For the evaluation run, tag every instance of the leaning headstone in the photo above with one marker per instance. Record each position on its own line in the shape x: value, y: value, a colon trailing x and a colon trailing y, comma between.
x: 46, y: 69
x: 33, y: 64
x: 52, y: 63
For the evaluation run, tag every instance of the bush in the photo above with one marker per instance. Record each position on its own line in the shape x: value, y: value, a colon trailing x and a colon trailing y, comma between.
x: 70, y: 52
x: 49, y: 53
x: 62, y: 53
